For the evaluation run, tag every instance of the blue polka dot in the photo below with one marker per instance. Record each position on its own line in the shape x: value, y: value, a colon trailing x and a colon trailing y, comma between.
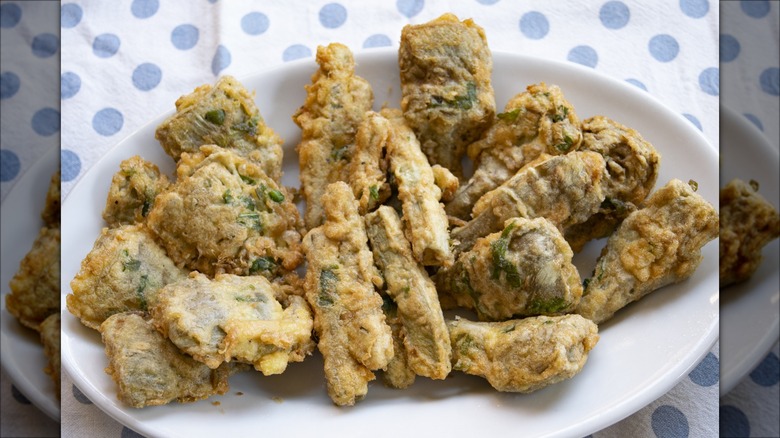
x: 709, y: 81
x: 755, y: 8
x: 695, y: 8
x: 770, y: 81
x: 377, y: 40
x: 45, y: 45
x: 10, y: 14
x: 77, y: 394
x: 410, y: 8
x: 614, y: 15
x: 46, y: 122
x: 130, y: 433
x: 767, y: 373
x: 669, y: 422
x: 664, y: 47
x: 733, y: 422
x: 637, y: 83
x: 70, y: 15
x: 184, y: 36
x: 9, y: 84
x: 255, y: 23
x: 693, y: 120
x: 754, y: 120
x: 105, y: 45
x: 70, y: 84
x: 212, y: 1
x: 146, y: 76
x: 18, y: 396
x: 706, y: 373
x: 584, y: 55
x: 107, y: 121
x: 9, y: 165
x: 487, y: 2
x: 221, y: 60
x: 296, y: 51
x: 333, y: 15
x: 534, y: 25
x: 144, y: 8
x: 729, y: 48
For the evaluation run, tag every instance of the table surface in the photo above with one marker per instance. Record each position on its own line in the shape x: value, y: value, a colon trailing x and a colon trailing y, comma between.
x: 125, y: 62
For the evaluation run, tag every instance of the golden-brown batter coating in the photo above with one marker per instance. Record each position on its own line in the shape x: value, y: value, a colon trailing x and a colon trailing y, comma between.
x: 50, y: 338
x: 51, y: 210
x: 447, y: 96
x: 149, y: 370
x: 425, y: 340
x: 224, y: 215
x: 398, y: 374
x: 224, y: 115
x: 368, y: 167
x: 523, y: 355
x: 747, y: 223
x: 425, y: 221
x: 524, y: 270
x: 564, y: 189
x: 446, y: 181
x: 35, y: 288
x: 536, y: 121
x: 632, y: 169
x: 340, y: 286
x: 133, y: 191
x: 336, y: 103
x: 655, y: 246
x: 123, y: 272
x: 234, y: 318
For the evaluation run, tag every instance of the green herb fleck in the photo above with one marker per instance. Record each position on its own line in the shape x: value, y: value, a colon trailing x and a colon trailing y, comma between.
x: 509, y: 329
x: 248, y: 126
x: 267, y: 264
x: 500, y: 263
x: 252, y: 298
x: 250, y: 220
x: 247, y: 179
x: 276, y: 196
x: 510, y: 116
x: 227, y: 197
x: 131, y: 265
x: 552, y: 306
x: 147, y: 205
x: 694, y: 185
x: 753, y: 184
x: 338, y: 153
x: 460, y: 101
x: 139, y: 291
x: 215, y: 116
x: 566, y: 145
x: 560, y: 116
x: 374, y: 193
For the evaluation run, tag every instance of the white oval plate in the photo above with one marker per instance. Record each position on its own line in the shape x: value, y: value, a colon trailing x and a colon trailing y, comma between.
x: 21, y: 350
x: 643, y: 352
x: 751, y: 317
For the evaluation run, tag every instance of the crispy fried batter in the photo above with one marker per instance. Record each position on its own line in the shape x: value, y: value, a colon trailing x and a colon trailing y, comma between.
x: 225, y: 115
x: 425, y: 333
x: 425, y: 221
x: 340, y: 286
x: 149, y: 370
x: 232, y: 317
x: 523, y: 355
x: 632, y: 169
x: 564, y: 189
x: 51, y: 210
x: 50, y: 338
x: 524, y: 270
x: 35, y: 288
x: 657, y: 245
x: 368, y: 167
x: 747, y: 223
x: 536, y: 121
x: 224, y: 215
x: 336, y: 103
x: 399, y: 373
x: 445, y: 82
x: 133, y: 191
x: 123, y: 272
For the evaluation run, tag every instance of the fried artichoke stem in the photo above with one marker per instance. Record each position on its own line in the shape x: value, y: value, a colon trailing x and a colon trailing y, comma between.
x: 524, y: 270
x: 747, y: 223
x: 336, y: 103
x: 564, y: 189
x: 407, y: 282
x: 655, y: 246
x: 537, y: 121
x: 523, y: 355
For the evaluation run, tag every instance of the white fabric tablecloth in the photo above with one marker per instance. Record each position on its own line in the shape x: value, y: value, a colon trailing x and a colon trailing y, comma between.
x: 126, y: 62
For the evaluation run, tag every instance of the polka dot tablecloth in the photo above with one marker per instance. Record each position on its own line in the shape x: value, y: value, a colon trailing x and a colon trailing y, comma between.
x: 125, y: 62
